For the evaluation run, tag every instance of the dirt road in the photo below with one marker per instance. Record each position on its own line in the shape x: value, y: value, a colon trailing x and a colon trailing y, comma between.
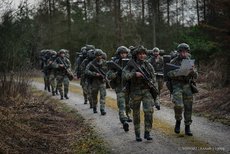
x: 208, y: 137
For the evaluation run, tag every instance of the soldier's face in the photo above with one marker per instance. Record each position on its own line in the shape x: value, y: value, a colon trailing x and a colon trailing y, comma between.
x: 123, y: 55
x: 184, y: 54
x: 141, y: 56
x: 62, y: 54
x: 99, y: 58
x: 156, y: 54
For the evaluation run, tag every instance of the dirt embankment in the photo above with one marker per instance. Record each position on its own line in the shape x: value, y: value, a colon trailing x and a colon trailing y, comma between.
x: 40, y: 124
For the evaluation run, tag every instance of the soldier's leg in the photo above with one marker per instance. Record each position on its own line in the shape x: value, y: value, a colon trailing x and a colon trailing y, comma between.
x: 102, y: 89
x: 89, y: 94
x: 52, y: 83
x: 148, y: 114
x: 84, y: 88
x: 188, y: 102
x: 94, y: 94
x: 60, y: 79
x: 121, y: 106
x: 127, y: 107
x: 135, y: 103
x: 178, y: 105
x: 66, y: 87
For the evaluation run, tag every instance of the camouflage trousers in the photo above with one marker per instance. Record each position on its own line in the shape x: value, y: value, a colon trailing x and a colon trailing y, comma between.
x: 89, y: 93
x: 160, y: 83
x: 84, y: 89
x: 52, y: 81
x: 46, y: 82
x: 144, y: 96
x: 123, y: 105
x: 94, y: 93
x: 183, y: 99
x: 63, y: 80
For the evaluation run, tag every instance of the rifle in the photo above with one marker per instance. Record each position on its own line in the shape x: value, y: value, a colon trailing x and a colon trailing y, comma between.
x: 153, y: 90
x: 103, y: 74
x: 69, y: 73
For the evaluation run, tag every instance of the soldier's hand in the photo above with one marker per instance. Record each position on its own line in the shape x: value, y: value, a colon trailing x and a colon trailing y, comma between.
x: 61, y: 65
x: 138, y: 74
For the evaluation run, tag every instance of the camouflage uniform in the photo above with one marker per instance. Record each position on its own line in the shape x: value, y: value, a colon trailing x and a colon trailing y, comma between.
x: 182, y: 95
x: 85, y: 80
x: 140, y: 92
x: 97, y: 83
x: 158, y: 65
x: 62, y: 77
x: 44, y: 56
x: 121, y: 91
x: 53, y: 75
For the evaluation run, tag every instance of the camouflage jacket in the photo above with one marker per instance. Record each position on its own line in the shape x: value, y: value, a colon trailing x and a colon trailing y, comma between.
x: 58, y: 62
x: 91, y: 71
x: 117, y: 81
x: 157, y: 63
x: 139, y: 83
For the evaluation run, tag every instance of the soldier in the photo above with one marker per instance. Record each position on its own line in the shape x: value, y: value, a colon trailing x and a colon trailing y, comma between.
x: 62, y: 64
x: 96, y: 70
x: 158, y: 64
x: 181, y: 90
x: 114, y: 74
x: 142, y: 85
x: 44, y: 56
x: 85, y: 80
x: 53, y: 73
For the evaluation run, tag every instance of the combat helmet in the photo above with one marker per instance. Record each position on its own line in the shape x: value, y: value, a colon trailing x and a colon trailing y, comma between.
x: 122, y: 49
x: 156, y: 49
x: 91, y: 54
x: 98, y: 52
x: 140, y: 49
x: 183, y: 46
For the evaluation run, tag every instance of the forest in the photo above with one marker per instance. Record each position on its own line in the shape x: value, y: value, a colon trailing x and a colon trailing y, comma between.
x: 108, y: 24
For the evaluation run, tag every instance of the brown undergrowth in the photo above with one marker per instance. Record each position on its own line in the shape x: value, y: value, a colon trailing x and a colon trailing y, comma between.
x: 36, y: 123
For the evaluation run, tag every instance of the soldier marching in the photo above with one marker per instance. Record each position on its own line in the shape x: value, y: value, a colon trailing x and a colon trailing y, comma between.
x: 137, y: 76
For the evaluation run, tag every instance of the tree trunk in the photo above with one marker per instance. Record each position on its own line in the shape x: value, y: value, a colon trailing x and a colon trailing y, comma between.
x: 204, y: 9
x: 143, y: 11
x: 168, y: 11
x: 85, y: 10
x: 97, y: 10
x: 68, y: 8
x: 197, y: 12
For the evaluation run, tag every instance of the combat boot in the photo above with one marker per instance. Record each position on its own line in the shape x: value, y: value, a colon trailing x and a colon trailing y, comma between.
x: 66, y: 96
x: 188, y: 131
x: 138, y: 138
x: 125, y: 126
x: 85, y: 102
x: 61, y: 98
x: 94, y: 110
x: 53, y: 93
x: 147, y: 136
x: 129, y: 119
x: 103, y: 112
x: 177, y: 127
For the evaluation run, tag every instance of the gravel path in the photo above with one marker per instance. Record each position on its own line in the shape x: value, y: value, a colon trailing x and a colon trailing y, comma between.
x: 208, y: 137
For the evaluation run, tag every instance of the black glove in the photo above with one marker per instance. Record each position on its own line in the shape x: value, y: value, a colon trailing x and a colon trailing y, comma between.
x: 158, y: 107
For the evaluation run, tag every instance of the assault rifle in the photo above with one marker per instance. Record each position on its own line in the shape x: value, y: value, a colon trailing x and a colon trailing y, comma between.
x: 146, y: 75
x: 102, y: 74
x: 69, y: 73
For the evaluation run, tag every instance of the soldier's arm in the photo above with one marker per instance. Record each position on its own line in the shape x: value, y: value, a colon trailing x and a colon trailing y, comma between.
x: 111, y: 74
x: 127, y: 73
x: 88, y: 71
